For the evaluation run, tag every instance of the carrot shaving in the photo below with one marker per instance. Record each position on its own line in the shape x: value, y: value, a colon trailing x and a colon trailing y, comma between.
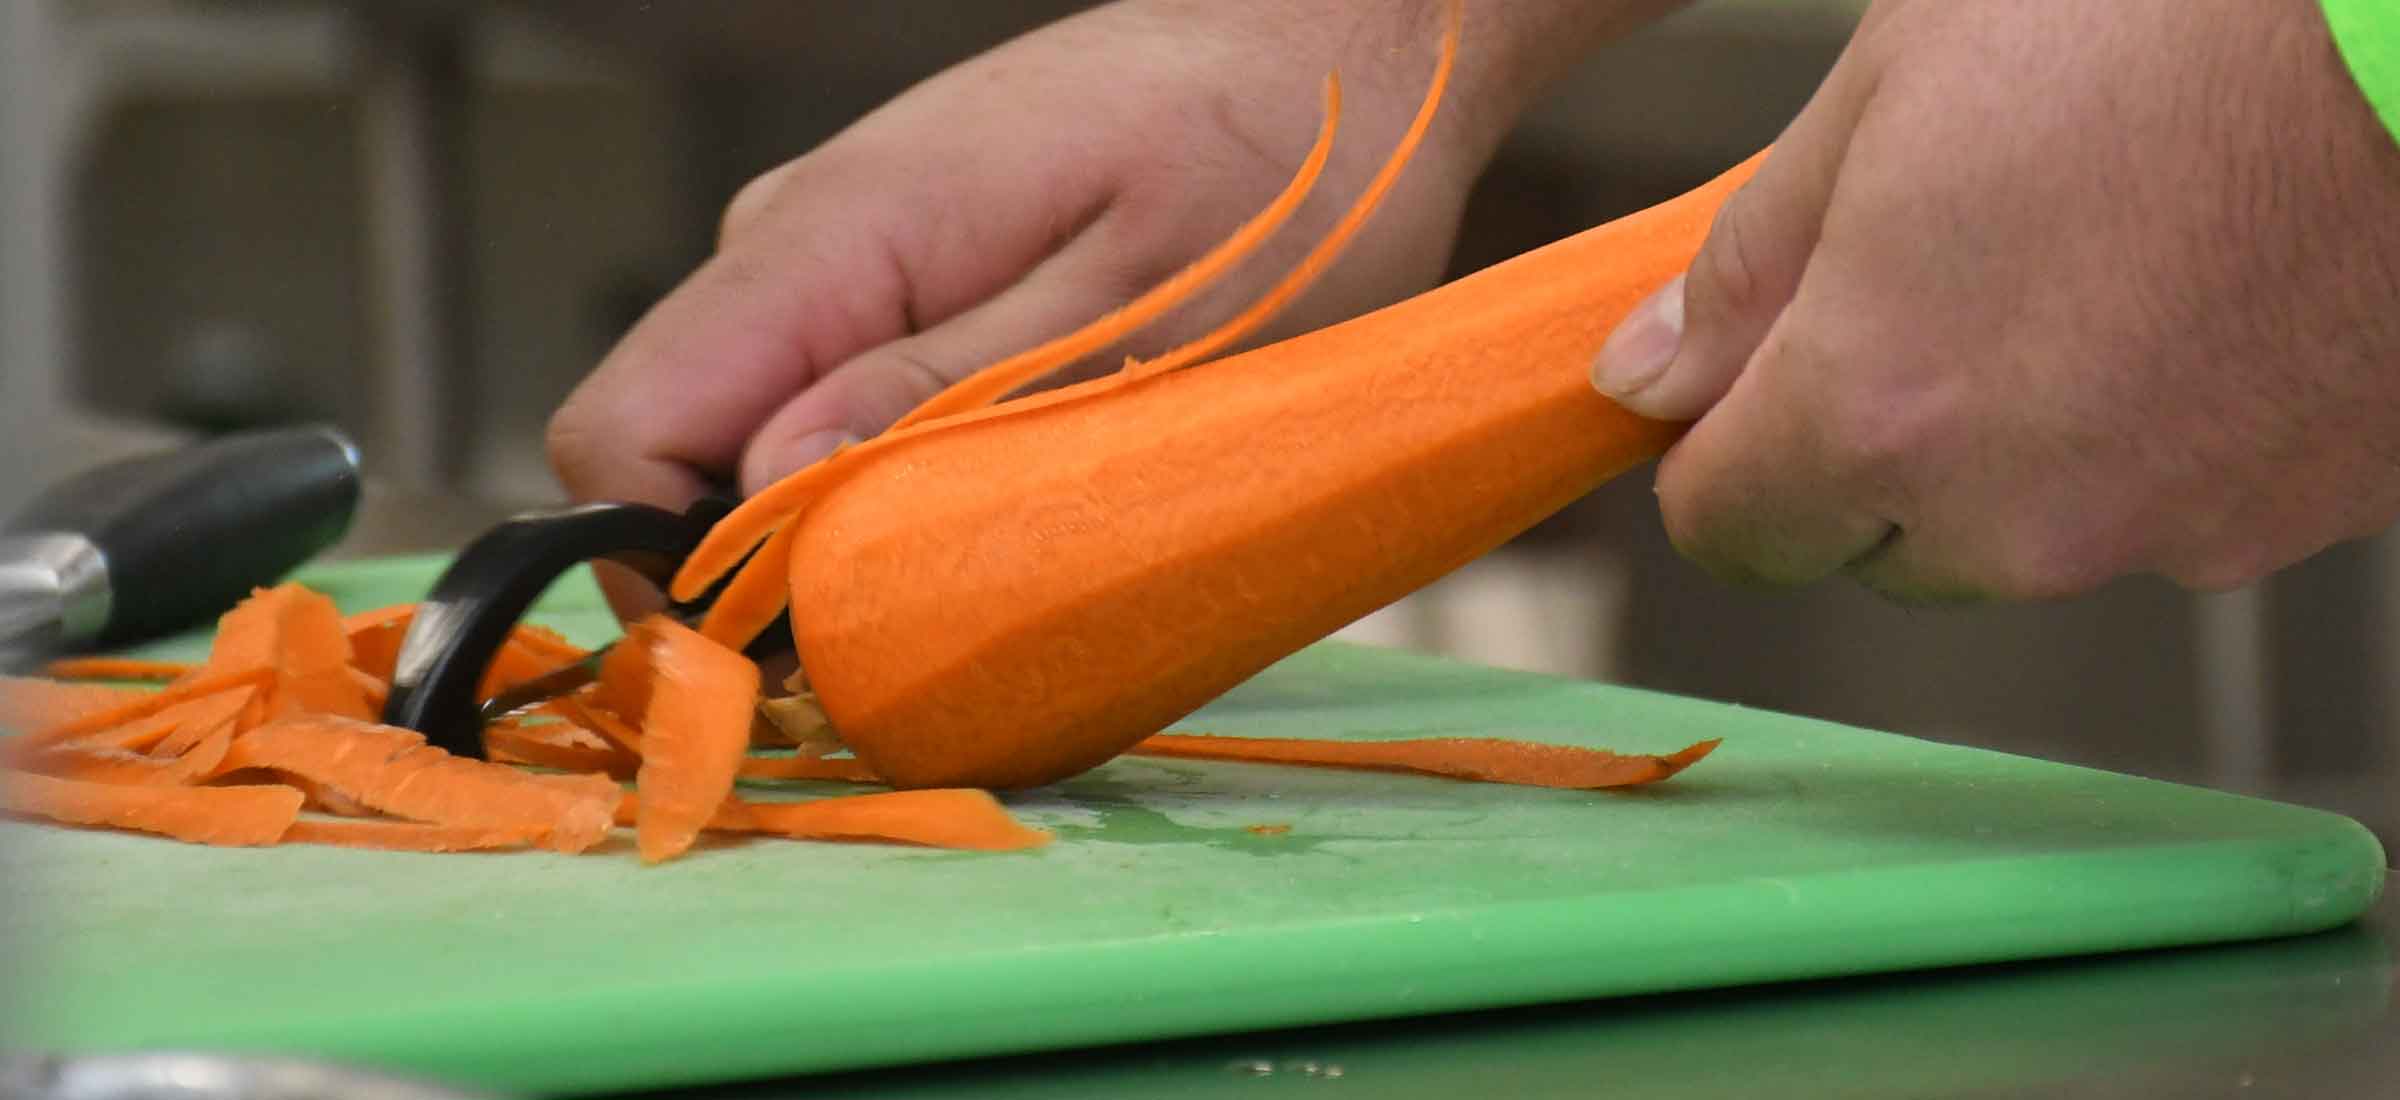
x: 229, y: 816
x: 394, y: 771
x: 1328, y: 249
x: 1480, y: 759
x: 400, y: 836
x: 749, y: 605
x: 998, y: 380
x: 115, y: 668
x: 938, y: 818
x: 144, y: 705
x: 836, y: 769
x: 695, y: 730
x: 29, y: 704
x: 528, y: 745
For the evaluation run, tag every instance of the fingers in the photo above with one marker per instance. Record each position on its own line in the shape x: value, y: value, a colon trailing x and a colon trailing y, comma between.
x: 867, y: 393
x: 1679, y: 352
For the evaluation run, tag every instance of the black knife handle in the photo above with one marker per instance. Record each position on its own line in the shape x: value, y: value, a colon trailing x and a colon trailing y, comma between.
x: 186, y: 534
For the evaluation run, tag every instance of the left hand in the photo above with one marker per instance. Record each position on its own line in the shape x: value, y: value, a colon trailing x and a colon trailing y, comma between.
x: 2039, y: 293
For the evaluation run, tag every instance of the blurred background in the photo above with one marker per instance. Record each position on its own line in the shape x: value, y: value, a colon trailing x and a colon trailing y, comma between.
x: 425, y: 220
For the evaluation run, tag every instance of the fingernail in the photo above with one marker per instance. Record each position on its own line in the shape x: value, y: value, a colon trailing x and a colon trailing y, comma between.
x: 765, y: 467
x: 1637, y: 353
x: 816, y: 445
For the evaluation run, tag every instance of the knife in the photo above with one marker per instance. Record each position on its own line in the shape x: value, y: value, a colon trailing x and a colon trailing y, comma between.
x: 152, y: 545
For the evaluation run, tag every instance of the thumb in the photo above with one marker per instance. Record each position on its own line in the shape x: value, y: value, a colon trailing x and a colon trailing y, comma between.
x: 1676, y: 354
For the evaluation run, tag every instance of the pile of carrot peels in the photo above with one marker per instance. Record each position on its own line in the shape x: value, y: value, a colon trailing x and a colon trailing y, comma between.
x: 272, y: 740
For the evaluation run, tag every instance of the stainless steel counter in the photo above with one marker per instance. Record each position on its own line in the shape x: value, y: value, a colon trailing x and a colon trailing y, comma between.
x: 2311, y: 1017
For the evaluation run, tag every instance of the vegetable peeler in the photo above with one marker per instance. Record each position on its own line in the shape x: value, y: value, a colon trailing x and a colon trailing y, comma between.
x: 462, y: 623
x: 145, y: 547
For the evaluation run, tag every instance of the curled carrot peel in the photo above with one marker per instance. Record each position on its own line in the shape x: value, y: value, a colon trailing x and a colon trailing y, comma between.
x: 695, y: 730
x: 1481, y: 759
x: 998, y: 380
x: 1328, y: 249
x: 114, y: 668
x: 233, y: 816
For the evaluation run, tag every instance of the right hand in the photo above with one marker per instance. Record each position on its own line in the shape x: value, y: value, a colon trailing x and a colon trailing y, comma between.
x: 1013, y: 198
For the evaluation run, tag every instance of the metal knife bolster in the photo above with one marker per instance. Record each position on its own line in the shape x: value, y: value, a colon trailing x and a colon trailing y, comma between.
x: 53, y: 591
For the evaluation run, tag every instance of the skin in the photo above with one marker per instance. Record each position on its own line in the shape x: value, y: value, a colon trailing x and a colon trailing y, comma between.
x: 2036, y: 294
x: 1031, y: 189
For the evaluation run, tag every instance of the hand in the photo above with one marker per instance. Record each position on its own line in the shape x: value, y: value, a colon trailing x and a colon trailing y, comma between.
x: 2038, y: 293
x: 1033, y: 189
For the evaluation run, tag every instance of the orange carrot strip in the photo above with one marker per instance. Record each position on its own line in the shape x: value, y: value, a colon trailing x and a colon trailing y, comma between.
x: 297, y: 635
x: 1481, y: 759
x: 586, y: 713
x: 400, y: 836
x: 530, y: 651
x: 170, y: 732
x: 394, y: 771
x: 834, y: 769
x: 695, y: 731
x: 1330, y: 248
x: 1004, y: 377
x: 115, y: 668
x: 749, y: 605
x: 945, y: 818
x: 143, y: 704
x: 523, y: 746
x: 28, y: 704
x: 232, y: 816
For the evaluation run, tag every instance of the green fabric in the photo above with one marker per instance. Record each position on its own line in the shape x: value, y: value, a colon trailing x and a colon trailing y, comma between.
x: 2368, y: 32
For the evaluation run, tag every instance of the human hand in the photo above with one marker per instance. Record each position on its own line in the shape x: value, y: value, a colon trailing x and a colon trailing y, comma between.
x: 1030, y: 190
x: 2039, y: 293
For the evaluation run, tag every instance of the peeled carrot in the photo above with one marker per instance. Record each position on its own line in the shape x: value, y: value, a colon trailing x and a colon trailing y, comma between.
x: 297, y: 635
x: 233, y: 816
x: 695, y: 723
x: 1012, y: 595
x: 115, y: 668
x: 1482, y: 759
x: 394, y: 771
x: 139, y: 705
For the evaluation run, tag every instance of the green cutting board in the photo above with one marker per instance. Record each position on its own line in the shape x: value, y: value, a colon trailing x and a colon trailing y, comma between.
x: 1799, y: 849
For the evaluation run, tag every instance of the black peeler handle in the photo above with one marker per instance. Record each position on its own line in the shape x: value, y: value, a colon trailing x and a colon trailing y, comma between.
x: 463, y: 622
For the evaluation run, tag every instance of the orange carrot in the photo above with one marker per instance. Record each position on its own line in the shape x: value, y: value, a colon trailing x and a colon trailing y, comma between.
x: 400, y: 836
x: 233, y: 816
x: 1481, y: 759
x: 115, y: 668
x: 1006, y: 599
x: 394, y: 771
x: 695, y: 727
